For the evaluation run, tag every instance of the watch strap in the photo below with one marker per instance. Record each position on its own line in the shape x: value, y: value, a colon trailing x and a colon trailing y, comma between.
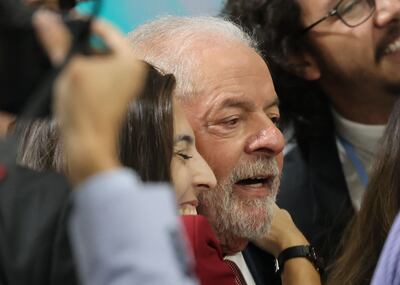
x: 306, y: 251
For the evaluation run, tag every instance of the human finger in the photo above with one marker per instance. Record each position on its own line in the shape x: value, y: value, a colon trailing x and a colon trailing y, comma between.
x: 111, y: 36
x: 53, y: 35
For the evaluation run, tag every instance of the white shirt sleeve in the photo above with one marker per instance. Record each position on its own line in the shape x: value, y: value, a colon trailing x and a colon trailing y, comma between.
x: 126, y: 232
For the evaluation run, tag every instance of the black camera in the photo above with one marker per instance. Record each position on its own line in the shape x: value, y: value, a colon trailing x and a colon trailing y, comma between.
x: 24, y: 66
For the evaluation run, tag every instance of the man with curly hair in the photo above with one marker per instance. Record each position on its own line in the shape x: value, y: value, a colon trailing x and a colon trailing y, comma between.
x: 336, y: 69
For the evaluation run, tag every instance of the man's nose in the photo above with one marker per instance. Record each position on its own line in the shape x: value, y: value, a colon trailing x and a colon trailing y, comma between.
x: 203, y: 176
x: 267, y: 141
x: 386, y: 12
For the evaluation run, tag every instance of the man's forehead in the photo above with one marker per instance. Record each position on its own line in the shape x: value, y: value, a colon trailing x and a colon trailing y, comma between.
x: 224, y: 66
x: 247, y: 103
x: 219, y: 103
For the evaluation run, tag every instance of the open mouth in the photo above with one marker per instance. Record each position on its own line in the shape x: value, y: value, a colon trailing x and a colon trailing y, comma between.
x: 389, y: 44
x: 393, y: 46
x: 255, y: 182
x: 188, y: 208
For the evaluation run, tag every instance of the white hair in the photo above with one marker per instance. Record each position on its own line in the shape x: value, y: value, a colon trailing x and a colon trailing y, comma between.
x: 169, y: 42
x: 234, y: 216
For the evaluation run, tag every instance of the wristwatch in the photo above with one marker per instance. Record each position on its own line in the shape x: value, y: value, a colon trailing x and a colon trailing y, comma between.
x: 306, y: 251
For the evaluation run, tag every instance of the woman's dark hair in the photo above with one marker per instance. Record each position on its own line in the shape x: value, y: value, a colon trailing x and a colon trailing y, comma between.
x: 368, y: 230
x: 277, y: 26
x: 146, y: 137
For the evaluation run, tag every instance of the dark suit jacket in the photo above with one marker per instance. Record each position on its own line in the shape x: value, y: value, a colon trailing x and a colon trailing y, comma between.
x: 314, y: 191
x: 261, y: 265
x: 34, y: 246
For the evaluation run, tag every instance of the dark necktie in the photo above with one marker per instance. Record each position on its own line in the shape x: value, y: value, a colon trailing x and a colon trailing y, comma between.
x: 239, y: 279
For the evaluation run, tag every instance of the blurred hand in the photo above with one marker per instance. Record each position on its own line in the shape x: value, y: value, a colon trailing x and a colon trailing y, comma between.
x: 283, y: 234
x: 91, y: 94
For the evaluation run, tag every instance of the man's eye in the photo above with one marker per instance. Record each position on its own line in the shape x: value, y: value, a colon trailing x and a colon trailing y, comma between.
x: 230, y: 122
x: 347, y: 6
x: 276, y: 121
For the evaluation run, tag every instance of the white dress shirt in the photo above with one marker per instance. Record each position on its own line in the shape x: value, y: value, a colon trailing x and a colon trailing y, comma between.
x: 365, y: 140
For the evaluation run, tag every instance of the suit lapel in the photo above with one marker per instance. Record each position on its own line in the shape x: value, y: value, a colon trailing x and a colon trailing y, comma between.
x: 261, y: 266
x: 334, y: 208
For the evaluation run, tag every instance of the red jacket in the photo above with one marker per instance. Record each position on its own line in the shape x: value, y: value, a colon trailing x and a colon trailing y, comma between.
x: 210, y: 266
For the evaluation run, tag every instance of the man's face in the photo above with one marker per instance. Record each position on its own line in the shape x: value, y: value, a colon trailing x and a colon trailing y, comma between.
x: 364, y: 58
x: 234, y: 116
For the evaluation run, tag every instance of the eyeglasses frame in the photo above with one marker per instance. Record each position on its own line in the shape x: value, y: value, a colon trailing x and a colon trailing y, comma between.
x: 334, y: 12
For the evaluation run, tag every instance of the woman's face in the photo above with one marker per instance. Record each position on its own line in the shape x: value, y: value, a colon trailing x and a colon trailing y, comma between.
x: 190, y: 173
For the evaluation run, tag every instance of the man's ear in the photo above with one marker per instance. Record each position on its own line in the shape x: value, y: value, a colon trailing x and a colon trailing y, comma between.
x: 305, y: 66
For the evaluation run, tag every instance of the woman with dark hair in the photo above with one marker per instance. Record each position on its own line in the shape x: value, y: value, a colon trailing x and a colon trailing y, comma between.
x: 367, y: 232
x: 155, y: 140
x: 146, y: 137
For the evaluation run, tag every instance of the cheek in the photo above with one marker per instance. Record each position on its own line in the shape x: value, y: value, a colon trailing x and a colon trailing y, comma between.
x: 348, y: 46
x: 220, y: 155
x: 279, y: 161
x: 180, y: 178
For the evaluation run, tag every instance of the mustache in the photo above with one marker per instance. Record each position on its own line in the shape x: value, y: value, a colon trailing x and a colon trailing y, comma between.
x: 260, y: 167
x: 392, y: 33
x: 267, y: 167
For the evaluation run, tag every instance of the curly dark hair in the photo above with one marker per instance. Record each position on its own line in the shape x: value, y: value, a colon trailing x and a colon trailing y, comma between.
x: 277, y: 26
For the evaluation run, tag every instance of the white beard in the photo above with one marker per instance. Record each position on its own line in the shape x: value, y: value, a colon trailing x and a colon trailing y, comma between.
x: 232, y: 215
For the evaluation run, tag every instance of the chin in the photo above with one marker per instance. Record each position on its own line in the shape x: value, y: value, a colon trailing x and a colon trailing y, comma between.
x: 232, y: 245
x: 238, y: 219
x: 240, y: 223
x: 237, y: 212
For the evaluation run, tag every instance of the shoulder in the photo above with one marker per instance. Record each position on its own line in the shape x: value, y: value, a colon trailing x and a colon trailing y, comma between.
x: 34, y: 246
x: 20, y: 181
x: 24, y: 190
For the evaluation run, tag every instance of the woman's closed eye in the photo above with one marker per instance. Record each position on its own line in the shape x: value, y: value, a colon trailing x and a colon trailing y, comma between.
x: 183, y: 155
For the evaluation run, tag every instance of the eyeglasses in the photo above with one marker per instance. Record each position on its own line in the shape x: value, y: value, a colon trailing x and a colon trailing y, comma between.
x: 351, y: 12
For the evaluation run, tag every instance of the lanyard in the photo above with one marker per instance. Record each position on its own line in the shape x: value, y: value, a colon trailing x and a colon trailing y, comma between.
x: 355, y: 160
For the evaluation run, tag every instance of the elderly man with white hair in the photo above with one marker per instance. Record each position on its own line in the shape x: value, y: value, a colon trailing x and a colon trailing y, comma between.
x: 229, y: 98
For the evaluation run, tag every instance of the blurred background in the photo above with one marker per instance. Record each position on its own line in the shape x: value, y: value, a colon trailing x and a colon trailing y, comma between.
x: 127, y: 14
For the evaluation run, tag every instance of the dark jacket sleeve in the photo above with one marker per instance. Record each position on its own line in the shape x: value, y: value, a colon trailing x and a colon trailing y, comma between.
x: 34, y: 246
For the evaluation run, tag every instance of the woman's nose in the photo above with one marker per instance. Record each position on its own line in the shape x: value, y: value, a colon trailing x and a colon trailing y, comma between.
x: 203, y: 176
